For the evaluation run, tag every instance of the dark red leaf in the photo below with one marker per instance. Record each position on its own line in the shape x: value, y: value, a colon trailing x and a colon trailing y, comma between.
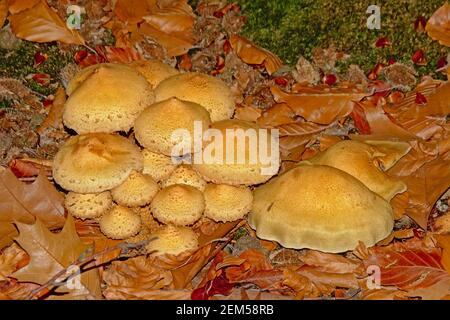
x: 420, y: 23
x: 442, y: 62
x: 281, y: 81
x: 419, y: 57
x: 359, y: 118
x: 373, y: 74
x: 80, y: 56
x: 227, y: 47
x: 42, y: 78
x: 382, y: 42
x: 219, y: 285
x: 329, y: 79
x: 420, y: 99
x: 391, y: 61
x: 39, y: 58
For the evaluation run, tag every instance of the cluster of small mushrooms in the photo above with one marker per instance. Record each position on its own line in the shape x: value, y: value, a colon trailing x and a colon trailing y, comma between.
x: 132, y: 185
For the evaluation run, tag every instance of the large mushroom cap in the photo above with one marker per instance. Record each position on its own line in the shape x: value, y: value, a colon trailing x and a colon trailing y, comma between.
x: 154, y: 71
x: 137, y: 190
x: 95, y: 162
x: 88, y: 206
x: 225, y: 203
x: 366, y: 163
x: 184, y: 174
x: 242, y: 160
x: 106, y: 98
x: 209, y: 92
x: 157, y: 125
x: 158, y: 166
x: 173, y: 240
x: 319, y: 207
x: 120, y: 223
x: 178, y: 204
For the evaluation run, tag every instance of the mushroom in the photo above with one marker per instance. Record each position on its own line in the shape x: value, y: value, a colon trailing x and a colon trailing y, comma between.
x: 178, y: 204
x: 366, y: 162
x: 138, y: 190
x: 172, y: 240
x: 154, y: 71
x: 224, y: 203
x: 106, y: 98
x: 158, y: 166
x: 184, y: 174
x: 156, y: 127
x: 319, y: 207
x: 210, y: 92
x: 225, y: 167
x: 88, y: 206
x: 95, y: 162
x: 120, y: 223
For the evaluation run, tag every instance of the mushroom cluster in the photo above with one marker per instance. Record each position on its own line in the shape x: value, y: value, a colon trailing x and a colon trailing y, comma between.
x: 139, y: 184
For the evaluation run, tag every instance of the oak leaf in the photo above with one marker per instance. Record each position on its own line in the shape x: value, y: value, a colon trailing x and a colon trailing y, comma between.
x: 50, y: 253
x: 438, y: 26
x: 41, y: 24
x: 11, y: 259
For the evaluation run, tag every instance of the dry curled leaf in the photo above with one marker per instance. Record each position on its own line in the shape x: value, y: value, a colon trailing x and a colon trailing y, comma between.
x: 41, y: 24
x: 252, y: 54
x: 12, y: 258
x: 438, y: 26
x: 54, y: 117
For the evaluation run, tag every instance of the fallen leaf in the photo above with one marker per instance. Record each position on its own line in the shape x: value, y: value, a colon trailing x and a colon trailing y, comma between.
x: 27, y: 167
x: 12, y: 258
x: 276, y: 115
x: 21, y: 202
x: 54, y: 117
x: 14, y: 290
x: 444, y: 243
x: 252, y: 54
x: 41, y: 24
x: 50, y: 253
x: 247, y: 113
x: 132, y: 11
x: 384, y: 294
x: 3, y: 11
x: 16, y: 6
x: 438, y: 26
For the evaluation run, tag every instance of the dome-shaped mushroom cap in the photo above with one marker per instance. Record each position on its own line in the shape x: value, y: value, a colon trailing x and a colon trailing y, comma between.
x: 178, y: 204
x: 225, y: 203
x: 106, y: 98
x: 321, y: 208
x: 158, y: 166
x: 156, y: 126
x: 153, y: 71
x: 184, y: 174
x: 211, y: 93
x: 233, y: 170
x: 365, y: 162
x: 89, y: 205
x: 95, y: 162
x: 138, y: 190
x: 120, y: 223
x: 172, y: 240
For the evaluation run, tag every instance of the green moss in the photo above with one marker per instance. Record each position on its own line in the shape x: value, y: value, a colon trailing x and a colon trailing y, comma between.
x: 294, y: 27
x: 18, y: 63
x: 4, y: 104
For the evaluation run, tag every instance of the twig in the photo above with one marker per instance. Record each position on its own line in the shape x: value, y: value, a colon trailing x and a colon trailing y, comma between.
x: 64, y: 274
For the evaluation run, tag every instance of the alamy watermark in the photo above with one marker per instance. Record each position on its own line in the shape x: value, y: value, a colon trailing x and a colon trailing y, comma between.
x: 374, y: 20
x: 234, y: 146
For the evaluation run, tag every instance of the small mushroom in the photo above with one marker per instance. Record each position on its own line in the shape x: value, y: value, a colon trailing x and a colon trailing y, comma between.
x: 95, y: 162
x: 106, y: 98
x: 120, y: 223
x: 178, y: 204
x: 172, y: 240
x: 154, y: 71
x: 184, y: 174
x: 88, y: 206
x: 224, y: 203
x: 209, y: 92
x: 138, y: 190
x: 158, y: 166
x: 157, y: 125
x: 321, y: 208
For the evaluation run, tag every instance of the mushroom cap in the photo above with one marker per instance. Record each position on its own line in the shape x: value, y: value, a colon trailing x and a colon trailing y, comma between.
x: 173, y: 240
x: 178, y: 204
x: 138, y: 190
x: 106, y: 98
x: 209, y: 92
x: 365, y: 162
x: 156, y: 125
x: 95, y: 162
x: 120, y: 223
x: 158, y: 166
x: 321, y: 208
x: 224, y: 203
x: 88, y: 205
x: 233, y: 170
x: 185, y: 174
x: 154, y: 71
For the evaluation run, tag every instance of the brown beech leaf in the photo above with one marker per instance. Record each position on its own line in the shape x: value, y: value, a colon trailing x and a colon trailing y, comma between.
x: 41, y: 24
x: 444, y: 243
x: 322, y: 107
x: 247, y: 113
x: 21, y: 202
x: 12, y: 258
x: 328, y: 262
x: 3, y: 11
x: 384, y: 294
x: 412, y: 268
x: 28, y: 167
x: 16, y: 6
x: 252, y: 54
x: 132, y: 11
x: 276, y: 115
x: 50, y: 253
x: 118, y: 55
x: 438, y: 26
x: 54, y: 117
